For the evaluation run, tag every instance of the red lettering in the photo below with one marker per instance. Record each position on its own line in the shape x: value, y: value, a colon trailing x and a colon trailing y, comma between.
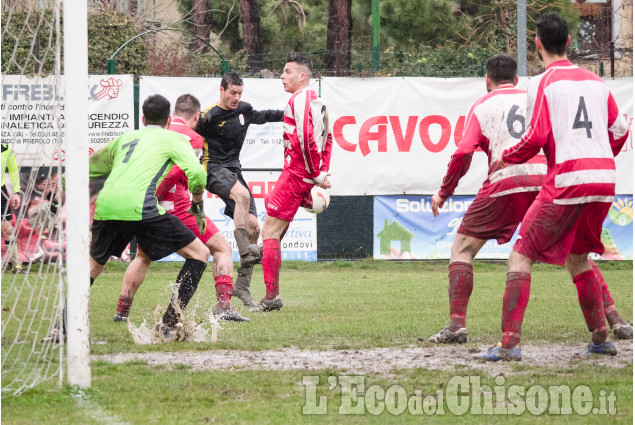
x: 365, y: 135
x: 338, y: 134
x: 403, y: 142
x: 424, y: 132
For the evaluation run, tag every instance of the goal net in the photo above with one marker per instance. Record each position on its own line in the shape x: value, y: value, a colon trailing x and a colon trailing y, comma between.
x: 35, y: 117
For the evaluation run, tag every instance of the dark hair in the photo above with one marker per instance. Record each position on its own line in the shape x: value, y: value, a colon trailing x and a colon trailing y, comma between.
x: 553, y: 32
x: 501, y: 69
x: 186, y: 106
x: 301, y: 60
x: 156, y: 110
x: 230, y: 78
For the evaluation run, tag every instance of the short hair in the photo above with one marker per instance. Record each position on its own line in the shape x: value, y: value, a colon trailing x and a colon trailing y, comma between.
x: 156, y: 110
x: 186, y: 106
x: 501, y: 69
x: 553, y: 32
x: 230, y: 78
x: 303, y: 61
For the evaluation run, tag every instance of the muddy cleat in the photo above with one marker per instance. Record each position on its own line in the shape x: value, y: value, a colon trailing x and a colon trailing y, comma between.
x: 55, y: 336
x: 244, y: 295
x: 268, y: 305
x: 249, y: 259
x: 120, y: 317
x: 446, y: 336
x: 255, y: 250
x: 498, y: 353
x: 229, y: 315
x: 17, y: 269
x: 165, y: 332
x: 607, y: 349
x: 623, y: 331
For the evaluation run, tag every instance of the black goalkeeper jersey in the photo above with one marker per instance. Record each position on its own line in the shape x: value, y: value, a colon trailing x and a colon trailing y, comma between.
x: 224, y: 132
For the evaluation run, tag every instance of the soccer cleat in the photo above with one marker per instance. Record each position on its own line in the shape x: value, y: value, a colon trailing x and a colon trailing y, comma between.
x: 229, y: 315
x: 167, y: 333
x: 120, y: 317
x: 55, y: 336
x: 498, y: 353
x: 17, y: 269
x: 268, y: 305
x: 253, y: 256
x: 446, y: 336
x: 623, y: 331
x: 243, y: 294
x: 255, y: 250
x: 607, y: 349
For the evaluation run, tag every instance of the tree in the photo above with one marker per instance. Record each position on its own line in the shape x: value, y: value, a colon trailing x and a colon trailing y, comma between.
x: 250, y: 20
x: 338, y: 37
x: 200, y: 25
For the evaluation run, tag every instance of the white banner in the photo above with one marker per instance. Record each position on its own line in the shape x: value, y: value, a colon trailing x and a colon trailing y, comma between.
x: 396, y: 135
x: 300, y: 241
x: 263, y: 143
x: 31, y: 106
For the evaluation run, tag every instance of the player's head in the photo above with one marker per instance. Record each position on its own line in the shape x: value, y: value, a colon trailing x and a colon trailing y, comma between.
x: 231, y: 90
x: 156, y: 111
x: 188, y: 108
x: 552, y: 34
x: 500, y: 69
x: 297, y: 73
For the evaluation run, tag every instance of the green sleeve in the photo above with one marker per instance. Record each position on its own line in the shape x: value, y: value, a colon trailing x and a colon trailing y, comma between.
x: 14, y: 172
x: 100, y: 163
x: 183, y: 156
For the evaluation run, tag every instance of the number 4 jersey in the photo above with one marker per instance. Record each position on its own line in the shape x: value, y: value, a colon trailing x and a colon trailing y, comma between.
x: 494, y: 123
x: 576, y: 122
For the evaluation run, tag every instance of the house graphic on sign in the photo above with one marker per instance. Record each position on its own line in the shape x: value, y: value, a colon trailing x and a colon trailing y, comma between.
x: 394, y: 232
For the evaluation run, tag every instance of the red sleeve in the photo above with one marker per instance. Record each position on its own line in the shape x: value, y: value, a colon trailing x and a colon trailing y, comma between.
x: 461, y: 159
x: 168, y: 182
x: 537, y: 134
x: 308, y: 139
x: 618, y: 130
x: 196, y: 140
x: 326, y: 154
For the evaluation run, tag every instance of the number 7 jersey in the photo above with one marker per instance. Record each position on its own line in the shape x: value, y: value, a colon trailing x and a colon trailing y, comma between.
x: 575, y: 120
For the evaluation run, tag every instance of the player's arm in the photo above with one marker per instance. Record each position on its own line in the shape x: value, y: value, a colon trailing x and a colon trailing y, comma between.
x: 100, y: 163
x: 618, y: 129
x: 205, y: 122
x: 183, y: 156
x: 14, y: 171
x: 261, y: 117
x: 307, y: 137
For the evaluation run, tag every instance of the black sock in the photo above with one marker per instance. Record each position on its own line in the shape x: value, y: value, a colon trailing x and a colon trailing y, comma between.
x: 187, y: 281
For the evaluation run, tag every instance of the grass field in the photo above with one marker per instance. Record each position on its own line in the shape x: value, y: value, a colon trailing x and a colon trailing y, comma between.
x: 359, y: 307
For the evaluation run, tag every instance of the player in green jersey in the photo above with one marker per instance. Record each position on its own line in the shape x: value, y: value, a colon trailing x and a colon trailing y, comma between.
x: 10, y: 204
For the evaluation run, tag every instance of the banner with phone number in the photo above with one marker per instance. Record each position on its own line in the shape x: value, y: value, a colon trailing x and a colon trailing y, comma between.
x: 404, y: 228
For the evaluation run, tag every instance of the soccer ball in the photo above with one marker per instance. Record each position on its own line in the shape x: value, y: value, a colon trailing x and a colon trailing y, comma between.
x: 320, y: 200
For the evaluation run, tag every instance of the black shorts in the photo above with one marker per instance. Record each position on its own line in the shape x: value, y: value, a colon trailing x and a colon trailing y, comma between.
x: 220, y: 182
x: 7, y: 212
x: 158, y: 237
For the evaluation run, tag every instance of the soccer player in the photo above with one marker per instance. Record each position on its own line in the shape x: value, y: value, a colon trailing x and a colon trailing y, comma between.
x: 10, y: 204
x: 136, y: 163
x: 307, y: 155
x: 224, y: 126
x: 174, y: 197
x: 495, y: 121
x: 576, y: 122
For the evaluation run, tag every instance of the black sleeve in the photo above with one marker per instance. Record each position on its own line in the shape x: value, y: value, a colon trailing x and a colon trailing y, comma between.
x: 264, y: 116
x: 205, y: 122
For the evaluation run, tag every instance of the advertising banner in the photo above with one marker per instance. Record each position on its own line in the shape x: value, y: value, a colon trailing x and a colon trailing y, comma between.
x: 396, y: 135
x: 263, y: 143
x: 31, y: 107
x: 404, y: 228
x: 300, y: 241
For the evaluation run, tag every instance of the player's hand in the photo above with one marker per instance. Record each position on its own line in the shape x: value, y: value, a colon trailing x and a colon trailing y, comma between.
x: 323, y: 180
x: 437, y: 202
x: 197, y: 211
x: 15, y: 201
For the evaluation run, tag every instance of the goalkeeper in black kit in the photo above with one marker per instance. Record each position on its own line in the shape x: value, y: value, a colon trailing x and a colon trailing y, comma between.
x: 224, y: 126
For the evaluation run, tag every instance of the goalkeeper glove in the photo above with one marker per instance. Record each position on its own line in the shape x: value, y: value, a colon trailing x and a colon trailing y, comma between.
x: 197, y: 211
x: 54, y: 204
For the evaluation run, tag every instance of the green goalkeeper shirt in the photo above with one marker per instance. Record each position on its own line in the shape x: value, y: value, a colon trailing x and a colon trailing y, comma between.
x: 136, y: 163
x: 9, y: 164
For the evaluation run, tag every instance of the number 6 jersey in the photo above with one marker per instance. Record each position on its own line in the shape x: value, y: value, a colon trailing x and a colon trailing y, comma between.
x: 494, y: 123
x: 575, y: 120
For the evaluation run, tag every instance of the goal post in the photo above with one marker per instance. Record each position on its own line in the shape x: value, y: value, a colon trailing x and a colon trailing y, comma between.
x: 77, y: 199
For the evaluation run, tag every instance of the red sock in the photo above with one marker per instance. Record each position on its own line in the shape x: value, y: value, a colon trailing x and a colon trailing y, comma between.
x: 271, y: 262
x: 515, y: 301
x: 224, y: 288
x: 611, y: 314
x: 460, y: 288
x: 123, y: 305
x: 590, y: 298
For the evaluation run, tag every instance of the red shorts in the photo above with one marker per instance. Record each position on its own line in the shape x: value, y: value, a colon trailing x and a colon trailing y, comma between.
x: 496, y: 218
x: 190, y: 221
x: 289, y: 193
x: 550, y: 232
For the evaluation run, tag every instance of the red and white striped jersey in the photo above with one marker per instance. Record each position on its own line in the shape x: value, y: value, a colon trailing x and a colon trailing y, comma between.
x: 307, y: 138
x: 494, y: 123
x: 575, y: 120
x: 173, y: 192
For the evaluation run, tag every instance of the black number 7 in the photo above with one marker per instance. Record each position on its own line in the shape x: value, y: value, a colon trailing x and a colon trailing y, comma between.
x: 131, y: 146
